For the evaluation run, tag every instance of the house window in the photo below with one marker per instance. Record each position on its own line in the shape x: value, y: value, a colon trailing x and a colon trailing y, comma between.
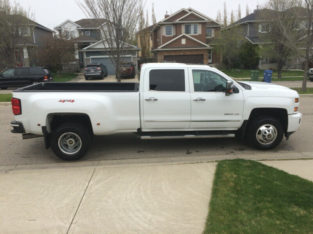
x: 24, y: 31
x: 264, y: 28
x: 210, y: 57
x: 169, y: 30
x: 191, y: 29
x: 87, y: 33
x: 209, y: 32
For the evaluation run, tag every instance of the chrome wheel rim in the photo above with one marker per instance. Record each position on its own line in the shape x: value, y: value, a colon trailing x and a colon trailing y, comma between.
x: 70, y: 143
x: 266, y: 134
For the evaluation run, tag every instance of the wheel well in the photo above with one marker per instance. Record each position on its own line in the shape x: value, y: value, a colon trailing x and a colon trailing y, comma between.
x: 278, y: 113
x: 55, y: 120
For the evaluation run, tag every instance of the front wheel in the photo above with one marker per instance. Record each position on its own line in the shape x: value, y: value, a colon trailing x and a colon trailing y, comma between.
x: 265, y: 133
x: 70, y: 141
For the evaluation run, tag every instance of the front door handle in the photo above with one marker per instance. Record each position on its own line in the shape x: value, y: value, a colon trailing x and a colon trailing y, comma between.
x: 199, y: 99
x: 151, y: 99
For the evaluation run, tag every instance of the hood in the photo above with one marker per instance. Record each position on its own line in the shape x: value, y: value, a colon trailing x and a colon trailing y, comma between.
x: 268, y: 88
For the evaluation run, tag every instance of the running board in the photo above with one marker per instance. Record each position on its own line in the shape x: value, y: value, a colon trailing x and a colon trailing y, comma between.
x: 187, y: 136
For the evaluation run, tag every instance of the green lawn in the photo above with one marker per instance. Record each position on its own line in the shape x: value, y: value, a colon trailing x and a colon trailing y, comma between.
x: 308, y: 90
x: 249, y: 197
x: 63, y: 77
x: 5, y: 97
x: 286, y: 75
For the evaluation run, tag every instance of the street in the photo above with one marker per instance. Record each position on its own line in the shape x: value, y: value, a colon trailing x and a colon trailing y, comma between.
x: 125, y: 149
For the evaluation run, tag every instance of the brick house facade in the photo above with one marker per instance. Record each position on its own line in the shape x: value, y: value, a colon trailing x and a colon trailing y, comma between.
x: 186, y: 36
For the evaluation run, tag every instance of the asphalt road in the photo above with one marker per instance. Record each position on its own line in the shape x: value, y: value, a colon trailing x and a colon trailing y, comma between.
x: 125, y: 149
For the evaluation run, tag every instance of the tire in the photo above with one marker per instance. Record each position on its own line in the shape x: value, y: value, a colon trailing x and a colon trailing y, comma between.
x: 70, y: 133
x: 86, y: 78
x: 265, y: 133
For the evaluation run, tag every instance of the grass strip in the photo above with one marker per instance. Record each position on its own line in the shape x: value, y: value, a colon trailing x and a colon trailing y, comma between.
x: 63, y: 77
x: 5, y: 97
x: 249, y: 197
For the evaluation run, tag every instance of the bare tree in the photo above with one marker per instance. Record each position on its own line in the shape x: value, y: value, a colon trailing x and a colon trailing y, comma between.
x: 144, y: 35
x: 154, y: 20
x: 232, y: 17
x: 121, y: 23
x: 56, y: 53
x: 247, y: 10
x: 219, y: 17
x: 15, y: 31
x: 309, y: 41
x: 225, y: 15
x: 239, y: 12
x: 282, y: 31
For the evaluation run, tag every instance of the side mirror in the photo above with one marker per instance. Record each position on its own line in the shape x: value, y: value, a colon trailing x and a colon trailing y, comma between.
x: 229, y: 88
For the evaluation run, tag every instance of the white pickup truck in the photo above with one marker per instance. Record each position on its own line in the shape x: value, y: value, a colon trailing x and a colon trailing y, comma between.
x: 172, y: 101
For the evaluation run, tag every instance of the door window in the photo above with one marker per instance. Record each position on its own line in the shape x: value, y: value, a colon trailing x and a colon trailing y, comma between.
x: 22, y: 71
x: 36, y: 71
x: 8, y: 73
x: 207, y: 81
x: 167, y: 80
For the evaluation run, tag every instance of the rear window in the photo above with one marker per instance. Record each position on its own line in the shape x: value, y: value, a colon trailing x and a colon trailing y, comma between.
x: 167, y: 80
x: 36, y: 71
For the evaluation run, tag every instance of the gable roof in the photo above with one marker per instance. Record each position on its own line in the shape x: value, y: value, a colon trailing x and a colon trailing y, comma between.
x: 65, y: 22
x: 22, y: 18
x: 178, y: 16
x: 90, y: 23
x: 102, y: 45
x: 203, y: 45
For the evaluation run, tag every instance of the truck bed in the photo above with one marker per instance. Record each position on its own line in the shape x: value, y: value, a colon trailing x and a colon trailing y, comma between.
x: 81, y: 87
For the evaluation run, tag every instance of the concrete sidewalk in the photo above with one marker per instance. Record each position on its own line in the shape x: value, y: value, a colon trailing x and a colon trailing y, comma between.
x: 106, y: 199
x: 301, y: 168
x: 133, y: 198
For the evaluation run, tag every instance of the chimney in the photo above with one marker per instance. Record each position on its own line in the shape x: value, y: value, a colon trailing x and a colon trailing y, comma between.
x: 166, y: 15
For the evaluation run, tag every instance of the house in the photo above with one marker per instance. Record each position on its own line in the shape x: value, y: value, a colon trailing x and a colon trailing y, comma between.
x: 32, y: 37
x: 89, y: 44
x: 255, y: 28
x: 187, y: 36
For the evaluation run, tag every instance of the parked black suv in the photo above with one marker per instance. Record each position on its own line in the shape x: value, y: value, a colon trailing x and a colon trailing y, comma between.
x: 95, y: 71
x: 22, y: 76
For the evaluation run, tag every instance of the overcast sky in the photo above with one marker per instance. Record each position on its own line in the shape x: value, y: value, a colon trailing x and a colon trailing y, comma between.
x: 51, y: 13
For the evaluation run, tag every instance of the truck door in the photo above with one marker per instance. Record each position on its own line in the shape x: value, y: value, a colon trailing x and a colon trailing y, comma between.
x: 211, y: 109
x: 165, y: 101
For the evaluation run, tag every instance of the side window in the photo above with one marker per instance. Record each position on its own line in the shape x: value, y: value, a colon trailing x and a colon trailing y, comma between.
x: 207, y: 81
x: 36, y: 71
x: 8, y: 73
x: 167, y: 80
x: 22, y: 71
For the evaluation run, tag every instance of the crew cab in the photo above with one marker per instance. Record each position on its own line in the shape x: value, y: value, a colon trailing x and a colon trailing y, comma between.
x: 171, y: 101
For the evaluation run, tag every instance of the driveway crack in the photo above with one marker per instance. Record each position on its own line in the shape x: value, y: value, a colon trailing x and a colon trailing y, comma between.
x: 81, y: 200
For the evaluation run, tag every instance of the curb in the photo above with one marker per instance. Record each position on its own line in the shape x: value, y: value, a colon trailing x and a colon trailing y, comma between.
x: 5, y: 103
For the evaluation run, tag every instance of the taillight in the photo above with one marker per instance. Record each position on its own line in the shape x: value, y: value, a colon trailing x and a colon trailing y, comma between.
x: 45, y: 78
x: 16, y: 106
x: 98, y: 68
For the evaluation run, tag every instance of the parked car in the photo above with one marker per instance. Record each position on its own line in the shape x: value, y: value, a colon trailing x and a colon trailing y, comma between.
x: 310, y: 74
x: 98, y: 71
x: 127, y: 70
x: 22, y: 76
x: 171, y: 101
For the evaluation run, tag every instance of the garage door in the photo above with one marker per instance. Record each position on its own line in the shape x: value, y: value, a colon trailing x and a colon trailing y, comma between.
x: 108, y: 63
x: 189, y: 59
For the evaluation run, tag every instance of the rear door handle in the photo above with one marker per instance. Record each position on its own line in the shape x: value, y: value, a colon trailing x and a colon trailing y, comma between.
x: 199, y: 99
x: 151, y: 99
